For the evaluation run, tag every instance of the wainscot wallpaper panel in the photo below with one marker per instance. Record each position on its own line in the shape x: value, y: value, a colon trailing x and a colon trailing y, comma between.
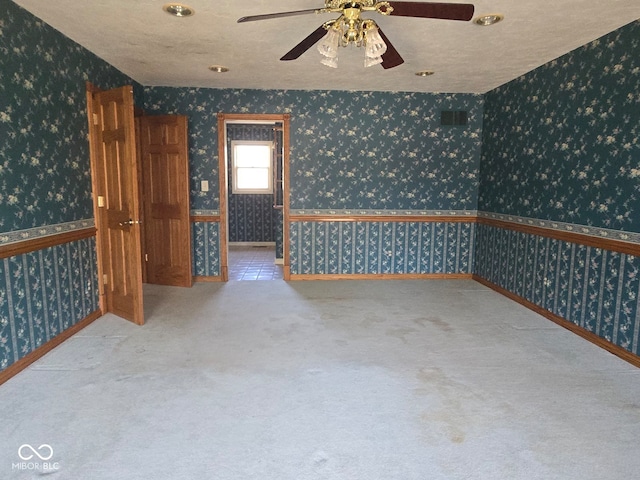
x: 340, y: 248
x: 206, y: 249
x: 42, y: 294
x: 593, y: 288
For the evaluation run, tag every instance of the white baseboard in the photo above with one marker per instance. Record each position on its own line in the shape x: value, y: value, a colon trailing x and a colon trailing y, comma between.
x: 252, y: 244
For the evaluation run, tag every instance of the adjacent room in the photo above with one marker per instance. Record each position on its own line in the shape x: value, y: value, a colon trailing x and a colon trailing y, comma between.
x: 426, y: 268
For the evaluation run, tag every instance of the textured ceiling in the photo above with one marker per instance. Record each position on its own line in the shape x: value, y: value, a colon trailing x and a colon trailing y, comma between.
x: 155, y: 49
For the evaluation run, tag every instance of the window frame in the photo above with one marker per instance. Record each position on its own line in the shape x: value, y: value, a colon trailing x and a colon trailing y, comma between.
x: 235, y: 190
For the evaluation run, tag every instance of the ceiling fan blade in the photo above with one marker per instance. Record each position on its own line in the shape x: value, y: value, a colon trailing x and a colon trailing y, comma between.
x: 267, y: 16
x: 391, y: 58
x: 445, y: 11
x: 305, y: 44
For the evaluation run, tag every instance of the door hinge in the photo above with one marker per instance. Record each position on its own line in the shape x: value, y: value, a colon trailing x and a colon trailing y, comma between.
x: 105, y: 279
x: 95, y: 119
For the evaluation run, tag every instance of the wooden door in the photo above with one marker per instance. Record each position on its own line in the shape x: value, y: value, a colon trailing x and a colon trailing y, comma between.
x: 113, y: 151
x: 165, y: 167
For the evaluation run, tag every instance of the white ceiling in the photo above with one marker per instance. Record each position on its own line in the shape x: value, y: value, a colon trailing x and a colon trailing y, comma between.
x: 156, y: 49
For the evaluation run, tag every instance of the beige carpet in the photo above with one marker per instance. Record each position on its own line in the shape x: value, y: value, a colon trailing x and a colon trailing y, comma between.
x: 324, y: 380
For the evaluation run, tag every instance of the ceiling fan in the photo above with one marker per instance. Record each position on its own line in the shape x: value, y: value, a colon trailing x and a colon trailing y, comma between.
x: 351, y: 28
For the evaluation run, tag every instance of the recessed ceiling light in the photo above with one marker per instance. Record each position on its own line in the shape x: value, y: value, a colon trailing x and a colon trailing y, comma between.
x: 178, y: 10
x: 489, y: 19
x: 425, y: 73
x: 218, y: 69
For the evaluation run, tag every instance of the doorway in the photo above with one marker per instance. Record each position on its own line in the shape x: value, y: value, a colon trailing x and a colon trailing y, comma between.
x: 253, y: 166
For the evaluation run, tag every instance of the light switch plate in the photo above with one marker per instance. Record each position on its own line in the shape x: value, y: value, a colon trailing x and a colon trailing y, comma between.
x: 204, y: 185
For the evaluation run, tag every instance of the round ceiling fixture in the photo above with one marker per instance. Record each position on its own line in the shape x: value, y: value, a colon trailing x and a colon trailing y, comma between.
x: 488, y: 19
x: 218, y: 69
x: 178, y: 10
x: 425, y: 73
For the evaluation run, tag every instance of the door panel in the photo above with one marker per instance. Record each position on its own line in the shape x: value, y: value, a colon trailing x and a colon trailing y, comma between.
x: 116, y: 181
x: 165, y: 164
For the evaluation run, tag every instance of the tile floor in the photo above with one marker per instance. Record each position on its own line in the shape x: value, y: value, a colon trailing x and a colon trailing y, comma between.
x: 253, y: 263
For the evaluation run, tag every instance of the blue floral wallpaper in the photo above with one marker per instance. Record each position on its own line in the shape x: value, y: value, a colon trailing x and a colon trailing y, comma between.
x: 348, y: 149
x: 45, y: 179
x: 384, y: 151
x: 563, y: 141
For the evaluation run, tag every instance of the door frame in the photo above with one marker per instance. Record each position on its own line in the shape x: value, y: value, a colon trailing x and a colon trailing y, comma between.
x: 223, y: 119
x: 97, y: 215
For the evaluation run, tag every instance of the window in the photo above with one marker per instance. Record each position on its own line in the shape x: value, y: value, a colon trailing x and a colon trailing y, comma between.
x: 251, y: 172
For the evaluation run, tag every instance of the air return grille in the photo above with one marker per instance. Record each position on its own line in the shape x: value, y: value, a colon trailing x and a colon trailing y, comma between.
x: 453, y: 117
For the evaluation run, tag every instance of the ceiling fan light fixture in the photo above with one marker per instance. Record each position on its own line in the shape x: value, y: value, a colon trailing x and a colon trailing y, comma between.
x: 218, y: 69
x: 178, y: 10
x: 488, y: 19
x: 425, y: 73
x: 353, y: 28
x: 374, y: 46
x: 328, y: 47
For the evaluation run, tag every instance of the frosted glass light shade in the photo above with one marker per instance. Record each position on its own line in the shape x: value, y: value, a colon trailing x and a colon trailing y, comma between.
x: 330, y: 43
x: 371, y: 61
x: 375, y: 46
x: 330, y: 61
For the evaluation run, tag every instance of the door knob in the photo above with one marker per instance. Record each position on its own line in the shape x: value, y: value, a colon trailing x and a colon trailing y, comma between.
x: 129, y: 223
